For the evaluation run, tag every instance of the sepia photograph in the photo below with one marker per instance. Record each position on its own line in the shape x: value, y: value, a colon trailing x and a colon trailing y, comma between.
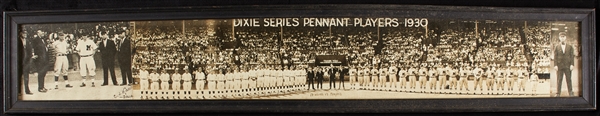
x: 300, y: 58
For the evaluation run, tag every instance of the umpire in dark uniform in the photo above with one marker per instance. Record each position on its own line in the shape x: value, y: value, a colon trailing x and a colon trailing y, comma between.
x: 26, y: 57
x: 124, y: 55
x: 563, y: 63
x: 41, y: 58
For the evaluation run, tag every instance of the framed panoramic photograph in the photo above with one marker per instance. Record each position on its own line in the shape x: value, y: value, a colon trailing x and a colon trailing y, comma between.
x: 300, y: 58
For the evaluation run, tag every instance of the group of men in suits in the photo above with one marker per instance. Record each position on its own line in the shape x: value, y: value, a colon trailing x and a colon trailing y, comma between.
x: 115, y: 45
x: 37, y: 50
x: 334, y: 73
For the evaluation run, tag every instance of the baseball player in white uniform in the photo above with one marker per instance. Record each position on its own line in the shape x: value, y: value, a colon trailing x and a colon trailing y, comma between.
x: 402, y: 75
x: 229, y: 75
x: 512, y: 75
x: 143, y: 75
x: 212, y: 80
x: 490, y: 78
x: 478, y: 73
x: 501, y: 78
x: 382, y: 78
x: 221, y: 78
x: 259, y: 79
x: 251, y: 82
x: 433, y: 75
x: 412, y: 77
x: 187, y: 83
x: 270, y: 78
x: 422, y: 77
x: 244, y: 82
x: 393, y: 72
x: 277, y: 81
x: 374, y: 77
x: 86, y: 49
x: 366, y: 76
x: 454, y: 76
x: 533, y: 79
x: 353, y: 76
x: 155, y: 84
x: 464, y: 72
x: 287, y: 79
x: 522, y: 78
x: 164, y: 84
x: 200, y: 83
x: 176, y: 77
x: 296, y: 78
x: 237, y: 80
x: 443, y: 76
x: 61, y: 64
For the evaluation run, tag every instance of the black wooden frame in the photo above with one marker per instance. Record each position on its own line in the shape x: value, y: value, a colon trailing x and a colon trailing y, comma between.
x: 586, y: 17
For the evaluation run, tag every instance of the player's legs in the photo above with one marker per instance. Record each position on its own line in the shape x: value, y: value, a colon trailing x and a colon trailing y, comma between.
x: 462, y: 83
x: 534, y: 85
x: 522, y: 84
x: 422, y: 82
x: 413, y: 82
x: 154, y: 89
x: 432, y: 83
x: 87, y: 67
x: 144, y: 84
x: 501, y: 84
x: 61, y: 65
x: 442, y: 82
x: 382, y: 81
x: 478, y: 83
x: 490, y: 84
x: 164, y: 87
x: 402, y: 82
x: 393, y: 81
x: 511, y: 84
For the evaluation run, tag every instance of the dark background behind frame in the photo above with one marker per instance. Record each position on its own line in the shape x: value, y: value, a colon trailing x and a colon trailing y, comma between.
x: 32, y: 5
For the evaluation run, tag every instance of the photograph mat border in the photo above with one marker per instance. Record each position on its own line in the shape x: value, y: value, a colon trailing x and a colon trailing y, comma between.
x: 584, y: 16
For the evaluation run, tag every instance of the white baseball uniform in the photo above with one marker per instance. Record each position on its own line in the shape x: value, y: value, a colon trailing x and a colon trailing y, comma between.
x: 221, y: 81
x: 392, y: 74
x: 176, y: 81
x: 143, y: 79
x: 86, y: 50
x: 212, y: 81
x: 154, y: 85
x: 61, y: 65
x: 200, y: 80
x: 164, y: 85
x: 187, y: 81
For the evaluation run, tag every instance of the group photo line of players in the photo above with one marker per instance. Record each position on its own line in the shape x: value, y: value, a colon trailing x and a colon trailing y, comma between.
x: 213, y: 59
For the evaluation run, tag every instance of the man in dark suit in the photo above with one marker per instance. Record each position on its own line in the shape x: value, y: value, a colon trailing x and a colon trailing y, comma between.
x: 41, y: 58
x: 319, y: 75
x: 26, y: 55
x: 108, y: 49
x: 124, y: 55
x: 333, y: 73
x: 343, y: 71
x: 563, y: 62
x: 190, y: 64
x: 311, y: 77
